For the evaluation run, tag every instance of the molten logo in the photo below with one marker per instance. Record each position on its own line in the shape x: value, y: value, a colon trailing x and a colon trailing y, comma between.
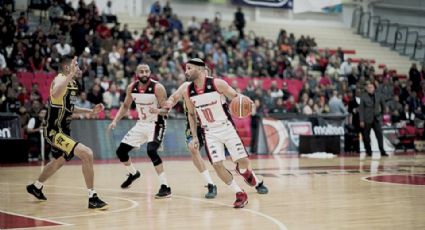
x: 5, y: 133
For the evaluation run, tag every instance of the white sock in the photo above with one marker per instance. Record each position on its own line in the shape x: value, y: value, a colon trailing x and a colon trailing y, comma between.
x: 91, y: 192
x: 235, y: 186
x: 163, y: 179
x: 131, y: 169
x: 38, y: 184
x: 207, y: 177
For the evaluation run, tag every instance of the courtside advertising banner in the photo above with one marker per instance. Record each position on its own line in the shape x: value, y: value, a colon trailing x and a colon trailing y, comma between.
x: 282, y: 135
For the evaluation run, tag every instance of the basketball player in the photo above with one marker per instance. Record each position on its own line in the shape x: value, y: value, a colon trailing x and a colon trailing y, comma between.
x: 195, y: 152
x: 148, y: 96
x: 204, y: 99
x: 62, y: 99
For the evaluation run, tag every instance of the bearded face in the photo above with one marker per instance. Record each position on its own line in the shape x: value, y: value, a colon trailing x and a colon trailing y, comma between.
x: 143, y: 74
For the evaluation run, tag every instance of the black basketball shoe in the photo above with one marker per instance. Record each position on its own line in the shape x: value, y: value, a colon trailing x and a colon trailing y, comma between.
x: 31, y: 189
x: 261, y: 188
x: 164, y: 192
x: 130, y: 179
x: 212, y: 191
x: 96, y: 203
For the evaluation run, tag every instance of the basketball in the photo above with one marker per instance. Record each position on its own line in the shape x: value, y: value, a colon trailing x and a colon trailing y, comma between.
x: 240, y: 107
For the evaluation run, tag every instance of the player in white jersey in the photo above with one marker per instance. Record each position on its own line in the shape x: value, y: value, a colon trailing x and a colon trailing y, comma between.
x: 204, y: 100
x: 195, y: 152
x: 148, y: 96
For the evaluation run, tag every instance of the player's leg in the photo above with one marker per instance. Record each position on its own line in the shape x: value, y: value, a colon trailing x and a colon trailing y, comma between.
x: 123, y: 156
x: 133, y: 139
x: 152, y: 150
x: 243, y: 165
x: 200, y: 164
x: 155, y: 133
x: 36, y: 188
x: 86, y: 155
x: 215, y: 151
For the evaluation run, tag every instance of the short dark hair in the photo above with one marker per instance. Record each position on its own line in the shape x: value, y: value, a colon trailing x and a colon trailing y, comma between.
x: 64, y: 60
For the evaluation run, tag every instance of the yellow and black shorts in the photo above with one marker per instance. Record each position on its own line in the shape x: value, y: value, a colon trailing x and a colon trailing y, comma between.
x: 62, y: 143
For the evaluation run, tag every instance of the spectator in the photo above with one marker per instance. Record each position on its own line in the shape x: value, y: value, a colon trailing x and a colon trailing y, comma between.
x: 55, y: 13
x: 395, y: 108
x: 279, y: 107
x: 111, y: 98
x: 308, y: 108
x: 285, y: 92
x: 125, y: 34
x: 11, y: 104
x: 22, y: 23
x: 82, y: 102
x: 95, y: 95
x: 275, y: 92
x: 108, y: 13
x: 62, y: 47
x: 3, y: 63
x: 415, y: 78
x: 346, y: 69
x: 34, y: 128
x: 407, y: 116
x: 239, y: 22
x: 193, y: 24
x: 155, y: 8
x: 167, y: 10
x: 335, y: 104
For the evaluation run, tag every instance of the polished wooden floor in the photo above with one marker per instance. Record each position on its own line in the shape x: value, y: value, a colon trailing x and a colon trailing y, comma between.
x: 304, y: 194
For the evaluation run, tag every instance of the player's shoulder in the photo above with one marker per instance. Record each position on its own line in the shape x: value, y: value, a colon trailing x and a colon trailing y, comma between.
x: 157, y: 84
x: 131, y: 85
x: 185, y: 84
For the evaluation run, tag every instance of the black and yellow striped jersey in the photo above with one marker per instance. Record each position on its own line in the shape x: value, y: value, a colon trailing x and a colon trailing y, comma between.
x: 61, y: 108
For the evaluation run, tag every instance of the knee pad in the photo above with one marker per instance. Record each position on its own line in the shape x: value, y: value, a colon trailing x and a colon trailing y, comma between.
x: 122, y: 152
x: 153, y: 153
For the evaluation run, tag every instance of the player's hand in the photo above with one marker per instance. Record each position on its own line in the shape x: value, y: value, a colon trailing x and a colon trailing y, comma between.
x: 167, y: 105
x: 98, y: 108
x: 362, y: 124
x: 73, y: 67
x: 112, y: 126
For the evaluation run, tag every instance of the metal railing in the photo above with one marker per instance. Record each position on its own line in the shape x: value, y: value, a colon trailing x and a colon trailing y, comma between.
x: 405, y: 39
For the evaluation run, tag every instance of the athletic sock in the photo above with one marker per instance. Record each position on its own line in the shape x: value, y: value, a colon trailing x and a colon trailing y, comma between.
x: 207, y: 176
x: 235, y: 186
x: 131, y: 169
x: 91, y: 192
x: 163, y: 178
x: 38, y: 184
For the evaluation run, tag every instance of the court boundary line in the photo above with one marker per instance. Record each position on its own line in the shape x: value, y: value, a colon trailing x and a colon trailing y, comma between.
x: 389, y: 183
x: 281, y: 225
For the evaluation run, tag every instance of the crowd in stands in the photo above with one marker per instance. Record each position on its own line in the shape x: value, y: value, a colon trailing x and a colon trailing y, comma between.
x: 108, y: 54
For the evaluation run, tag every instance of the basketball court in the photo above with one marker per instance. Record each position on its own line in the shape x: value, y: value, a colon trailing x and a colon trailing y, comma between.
x: 345, y: 192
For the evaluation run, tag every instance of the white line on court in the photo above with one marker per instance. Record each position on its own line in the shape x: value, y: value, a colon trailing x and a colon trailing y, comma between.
x: 270, y: 218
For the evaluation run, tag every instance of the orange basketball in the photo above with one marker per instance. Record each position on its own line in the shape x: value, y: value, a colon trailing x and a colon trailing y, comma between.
x: 240, y: 107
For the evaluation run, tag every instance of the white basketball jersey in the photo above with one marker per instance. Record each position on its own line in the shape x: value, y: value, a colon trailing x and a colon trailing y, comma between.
x: 210, y: 105
x: 145, y: 100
